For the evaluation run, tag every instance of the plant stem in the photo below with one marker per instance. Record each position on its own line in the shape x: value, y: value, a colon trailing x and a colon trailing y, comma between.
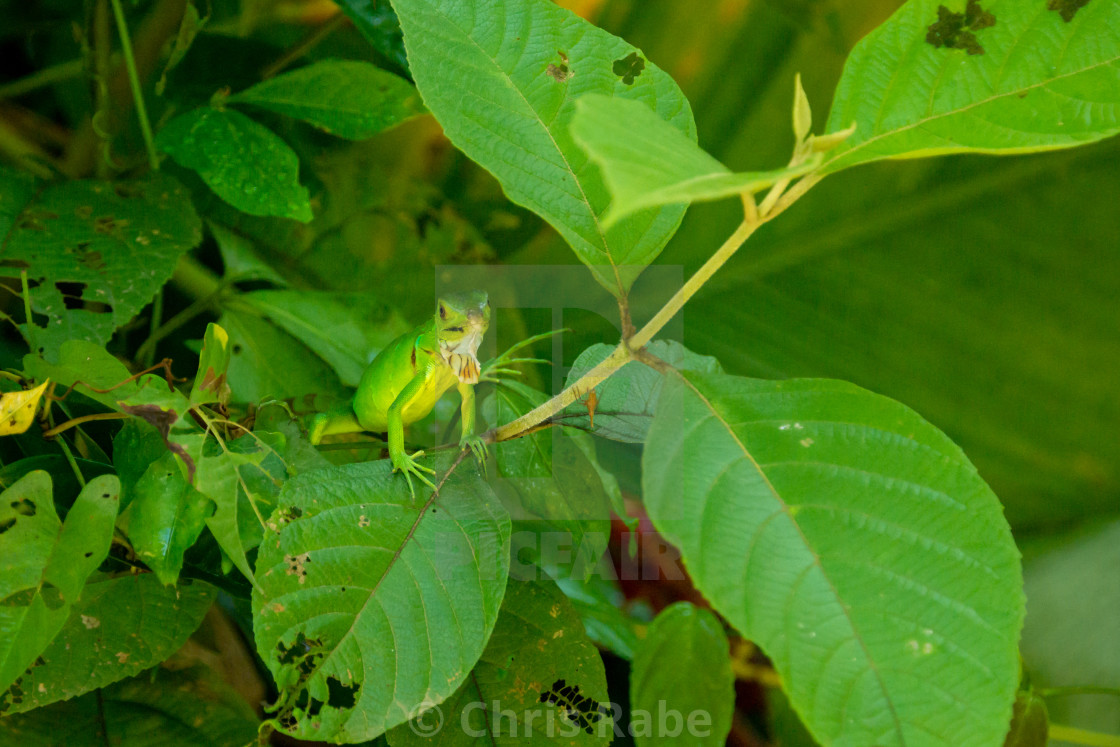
x: 73, y: 462
x: 1083, y: 736
x: 694, y: 283
x: 616, y: 360
x: 1059, y: 692
x: 304, y: 45
x: 153, y: 327
x: 84, y: 419
x: 134, y: 83
x: 39, y: 79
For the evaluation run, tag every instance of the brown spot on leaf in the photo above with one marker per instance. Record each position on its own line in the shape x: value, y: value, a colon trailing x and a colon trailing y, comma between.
x: 1067, y: 8
x: 560, y: 73
x: 163, y: 420
x: 954, y: 30
x: 297, y: 565
x: 629, y: 68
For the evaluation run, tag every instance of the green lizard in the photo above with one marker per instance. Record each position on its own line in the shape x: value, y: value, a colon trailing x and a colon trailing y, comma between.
x: 407, y: 378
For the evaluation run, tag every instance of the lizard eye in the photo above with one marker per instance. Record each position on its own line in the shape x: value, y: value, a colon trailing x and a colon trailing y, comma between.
x: 442, y: 311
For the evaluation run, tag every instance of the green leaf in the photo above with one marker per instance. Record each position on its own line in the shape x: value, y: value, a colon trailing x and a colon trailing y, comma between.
x: 537, y: 651
x: 702, y: 694
x: 347, y: 330
x: 227, y: 150
x: 234, y: 524
x: 85, y: 538
x: 25, y: 631
x: 647, y: 162
x: 347, y: 98
x: 166, y: 517
x: 95, y: 252
x: 377, y: 22
x: 503, y: 81
x: 372, y: 606
x: 28, y: 530
x: 854, y: 542
x: 552, y: 490
x: 165, y: 708
x: 627, y: 400
x: 240, y: 258
x: 928, y: 82
x: 210, y: 383
x: 119, y: 627
x: 87, y: 363
x: 267, y: 363
x: 135, y: 447
x: 598, y: 602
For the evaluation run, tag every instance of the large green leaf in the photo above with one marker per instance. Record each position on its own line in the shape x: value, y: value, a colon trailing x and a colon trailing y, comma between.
x: 229, y: 151
x: 502, y: 79
x: 88, y: 365
x: 234, y: 524
x: 855, y: 543
x: 540, y: 668
x: 163, y: 708
x: 996, y: 77
x: 119, y: 627
x: 647, y: 162
x: 371, y: 606
x: 95, y: 252
x: 702, y: 694
x: 348, y: 98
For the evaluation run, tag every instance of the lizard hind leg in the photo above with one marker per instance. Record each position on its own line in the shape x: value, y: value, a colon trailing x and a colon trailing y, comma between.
x: 338, y: 420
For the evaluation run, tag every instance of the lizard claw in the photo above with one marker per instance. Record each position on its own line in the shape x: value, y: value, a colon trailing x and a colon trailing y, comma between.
x: 478, y: 448
x: 410, y: 467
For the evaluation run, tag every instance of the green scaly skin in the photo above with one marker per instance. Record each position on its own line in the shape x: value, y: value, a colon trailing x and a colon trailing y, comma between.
x: 407, y: 378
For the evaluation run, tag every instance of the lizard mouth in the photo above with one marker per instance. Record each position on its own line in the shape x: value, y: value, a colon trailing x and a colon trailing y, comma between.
x: 462, y: 356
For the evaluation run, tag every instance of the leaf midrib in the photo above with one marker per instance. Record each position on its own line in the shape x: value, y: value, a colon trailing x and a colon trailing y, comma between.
x: 536, y: 117
x: 841, y: 157
x: 805, y: 542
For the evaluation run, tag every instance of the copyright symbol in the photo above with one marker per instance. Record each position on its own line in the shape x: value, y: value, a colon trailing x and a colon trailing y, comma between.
x: 426, y: 720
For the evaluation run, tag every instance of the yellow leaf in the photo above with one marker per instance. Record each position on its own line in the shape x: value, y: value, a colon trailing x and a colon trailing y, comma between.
x: 17, y: 409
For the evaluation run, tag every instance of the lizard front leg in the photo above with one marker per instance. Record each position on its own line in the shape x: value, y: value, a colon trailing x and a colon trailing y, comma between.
x: 397, y: 454
x: 468, y: 439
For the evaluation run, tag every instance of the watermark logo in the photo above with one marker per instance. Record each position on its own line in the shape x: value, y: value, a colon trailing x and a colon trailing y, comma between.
x: 564, y: 713
x: 426, y: 719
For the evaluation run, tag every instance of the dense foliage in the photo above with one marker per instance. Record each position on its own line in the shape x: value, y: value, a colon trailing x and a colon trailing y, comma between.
x: 691, y: 528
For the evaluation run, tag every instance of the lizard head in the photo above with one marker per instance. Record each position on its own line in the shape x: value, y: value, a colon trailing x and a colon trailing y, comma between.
x: 461, y: 320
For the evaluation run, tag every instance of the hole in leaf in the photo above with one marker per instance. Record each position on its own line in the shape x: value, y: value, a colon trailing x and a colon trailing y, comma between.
x: 24, y: 507
x: 89, y: 555
x: 629, y: 68
x: 954, y: 30
x: 236, y: 349
x: 7, y: 524
x: 560, y: 73
x: 17, y: 264
x: 72, y: 298
x: 581, y: 710
x: 340, y: 695
x: 1067, y: 8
